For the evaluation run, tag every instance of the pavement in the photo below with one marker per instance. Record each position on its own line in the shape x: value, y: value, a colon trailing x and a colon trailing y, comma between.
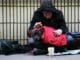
x: 40, y: 57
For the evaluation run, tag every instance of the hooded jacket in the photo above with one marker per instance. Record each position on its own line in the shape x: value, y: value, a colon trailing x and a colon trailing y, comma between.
x: 57, y: 21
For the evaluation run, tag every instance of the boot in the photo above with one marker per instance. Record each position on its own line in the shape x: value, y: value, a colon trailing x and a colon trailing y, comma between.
x: 40, y: 52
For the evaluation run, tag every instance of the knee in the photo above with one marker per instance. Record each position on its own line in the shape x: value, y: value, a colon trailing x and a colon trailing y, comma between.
x: 70, y: 38
x: 30, y: 41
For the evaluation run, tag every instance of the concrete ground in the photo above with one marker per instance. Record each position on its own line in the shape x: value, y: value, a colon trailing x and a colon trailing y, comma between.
x: 41, y: 57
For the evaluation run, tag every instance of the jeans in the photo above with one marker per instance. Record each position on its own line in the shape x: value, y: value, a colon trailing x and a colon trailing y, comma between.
x: 69, y: 38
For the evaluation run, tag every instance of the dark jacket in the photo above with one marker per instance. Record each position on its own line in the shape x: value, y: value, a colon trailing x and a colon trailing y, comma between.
x: 57, y: 22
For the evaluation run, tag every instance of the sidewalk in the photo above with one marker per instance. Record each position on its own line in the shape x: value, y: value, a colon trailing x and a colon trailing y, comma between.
x: 42, y: 57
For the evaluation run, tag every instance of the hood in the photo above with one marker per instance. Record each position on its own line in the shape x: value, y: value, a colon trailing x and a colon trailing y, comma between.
x: 47, y: 6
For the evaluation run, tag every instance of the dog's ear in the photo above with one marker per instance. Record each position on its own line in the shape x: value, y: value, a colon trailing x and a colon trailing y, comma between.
x: 29, y: 33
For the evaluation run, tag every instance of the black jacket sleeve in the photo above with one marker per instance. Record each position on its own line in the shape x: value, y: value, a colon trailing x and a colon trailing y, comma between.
x: 62, y: 22
x: 35, y: 19
x: 63, y: 27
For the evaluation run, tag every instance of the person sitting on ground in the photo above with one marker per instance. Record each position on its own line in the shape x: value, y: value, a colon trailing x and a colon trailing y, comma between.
x: 55, y: 29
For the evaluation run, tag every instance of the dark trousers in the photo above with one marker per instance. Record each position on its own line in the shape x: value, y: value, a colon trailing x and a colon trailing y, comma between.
x: 40, y: 45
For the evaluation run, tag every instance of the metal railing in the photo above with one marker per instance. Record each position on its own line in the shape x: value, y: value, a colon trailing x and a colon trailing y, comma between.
x: 15, y: 16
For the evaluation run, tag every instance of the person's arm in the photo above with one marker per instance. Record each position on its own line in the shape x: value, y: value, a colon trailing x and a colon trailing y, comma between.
x: 62, y: 23
x: 32, y: 22
x: 35, y: 19
x: 63, y: 27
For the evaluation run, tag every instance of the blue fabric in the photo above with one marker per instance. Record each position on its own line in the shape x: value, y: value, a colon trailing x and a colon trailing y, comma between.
x: 69, y: 38
x: 75, y: 33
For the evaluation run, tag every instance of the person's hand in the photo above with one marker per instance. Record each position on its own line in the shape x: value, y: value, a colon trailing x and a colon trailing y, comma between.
x: 58, y: 32
x: 38, y: 24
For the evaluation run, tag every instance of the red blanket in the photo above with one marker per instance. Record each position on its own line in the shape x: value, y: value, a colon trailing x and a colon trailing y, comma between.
x: 48, y: 37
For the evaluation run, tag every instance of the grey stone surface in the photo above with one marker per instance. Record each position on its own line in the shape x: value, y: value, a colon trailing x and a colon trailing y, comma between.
x: 42, y: 57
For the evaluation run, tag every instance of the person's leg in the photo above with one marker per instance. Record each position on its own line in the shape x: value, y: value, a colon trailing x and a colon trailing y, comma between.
x: 34, y: 43
x: 40, y: 49
x: 34, y: 38
x: 60, y: 49
x: 69, y: 38
x: 72, y: 42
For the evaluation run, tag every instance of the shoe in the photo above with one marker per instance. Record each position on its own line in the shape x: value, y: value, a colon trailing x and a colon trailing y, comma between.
x: 40, y: 52
x: 60, y: 49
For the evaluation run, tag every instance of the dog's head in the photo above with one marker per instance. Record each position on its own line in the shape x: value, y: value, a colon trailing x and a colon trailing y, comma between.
x: 35, y: 35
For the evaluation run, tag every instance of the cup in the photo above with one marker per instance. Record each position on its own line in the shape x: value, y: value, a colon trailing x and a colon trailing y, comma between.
x: 50, y: 50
